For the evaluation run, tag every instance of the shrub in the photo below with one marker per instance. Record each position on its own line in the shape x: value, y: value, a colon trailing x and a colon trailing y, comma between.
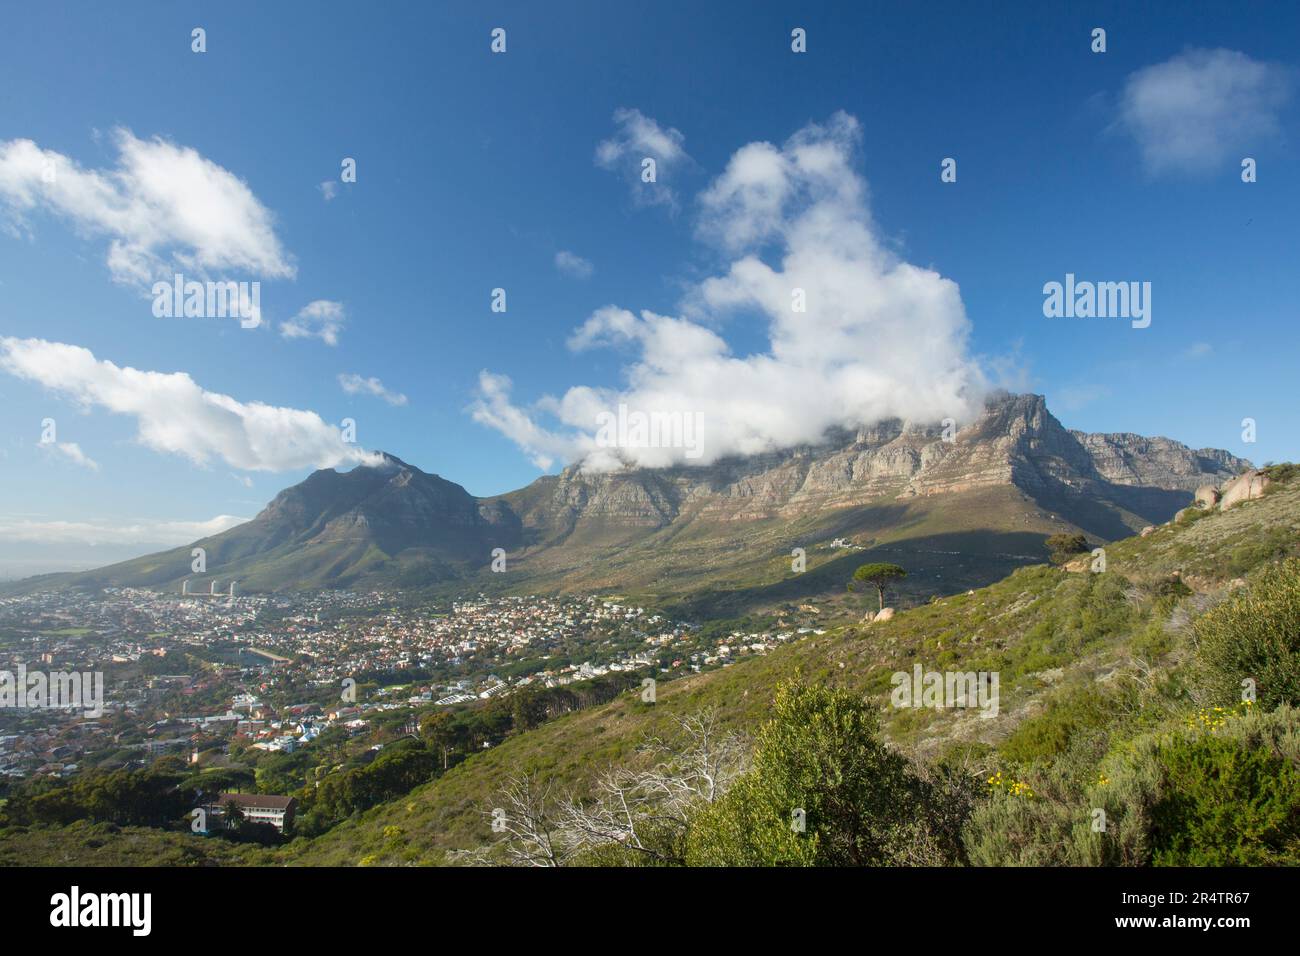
x: 1049, y: 733
x: 1223, y: 791
x: 1254, y: 635
x: 861, y: 802
x: 1010, y: 830
x: 1065, y: 546
x: 1226, y: 806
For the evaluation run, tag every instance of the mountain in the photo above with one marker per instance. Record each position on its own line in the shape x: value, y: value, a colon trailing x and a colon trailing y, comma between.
x: 1072, y: 650
x: 962, y: 508
x: 390, y: 522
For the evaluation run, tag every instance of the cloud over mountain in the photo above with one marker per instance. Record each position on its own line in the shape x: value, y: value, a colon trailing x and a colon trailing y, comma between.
x: 174, y: 414
x: 853, y: 334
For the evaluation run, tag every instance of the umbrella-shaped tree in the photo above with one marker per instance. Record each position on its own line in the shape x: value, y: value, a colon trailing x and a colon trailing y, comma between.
x: 878, y: 575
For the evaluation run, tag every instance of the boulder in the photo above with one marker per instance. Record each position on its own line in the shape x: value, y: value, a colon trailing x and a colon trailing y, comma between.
x: 1247, y: 486
x: 1207, y: 496
x: 1149, y: 529
x: 885, y: 614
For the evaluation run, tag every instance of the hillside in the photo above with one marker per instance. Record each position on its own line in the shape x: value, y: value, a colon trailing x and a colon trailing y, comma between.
x: 961, y: 510
x: 1055, y: 636
x: 1091, y: 666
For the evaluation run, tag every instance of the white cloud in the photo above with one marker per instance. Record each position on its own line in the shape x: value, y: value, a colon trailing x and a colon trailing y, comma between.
x: 637, y: 138
x: 354, y: 384
x: 174, y: 414
x: 493, y: 408
x: 321, y: 319
x: 329, y: 189
x: 163, y: 208
x: 20, y: 528
x: 1202, y: 107
x: 880, y: 338
x: 71, y: 451
x: 573, y: 264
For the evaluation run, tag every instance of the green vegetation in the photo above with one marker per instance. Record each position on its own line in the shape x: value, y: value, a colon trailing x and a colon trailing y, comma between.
x: 1063, y: 547
x: 878, y: 574
x: 1090, y: 665
x: 824, y: 791
x: 1122, y: 737
x: 1252, y: 640
x: 152, y: 797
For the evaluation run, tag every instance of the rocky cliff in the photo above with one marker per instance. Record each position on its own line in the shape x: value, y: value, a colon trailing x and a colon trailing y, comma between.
x: 1016, y: 442
x: 1014, y: 472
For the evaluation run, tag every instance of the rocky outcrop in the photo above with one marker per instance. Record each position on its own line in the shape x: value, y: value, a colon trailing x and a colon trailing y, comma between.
x: 1016, y: 443
x: 391, y: 518
x: 1245, y: 487
x: 1127, y: 459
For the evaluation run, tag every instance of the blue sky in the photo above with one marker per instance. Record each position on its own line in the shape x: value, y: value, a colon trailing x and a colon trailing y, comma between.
x: 474, y: 170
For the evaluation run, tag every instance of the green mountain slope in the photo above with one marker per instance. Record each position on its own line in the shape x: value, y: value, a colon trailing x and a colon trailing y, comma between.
x: 962, y: 510
x: 1055, y: 636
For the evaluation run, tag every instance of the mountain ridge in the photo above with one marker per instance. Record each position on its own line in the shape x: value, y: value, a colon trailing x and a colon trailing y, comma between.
x: 391, y: 523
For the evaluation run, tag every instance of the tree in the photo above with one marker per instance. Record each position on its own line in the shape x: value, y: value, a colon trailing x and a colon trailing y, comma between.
x: 1065, y: 546
x: 645, y: 813
x: 528, y: 820
x: 633, y: 815
x: 441, y: 731
x: 877, y: 574
x: 233, y: 815
x: 824, y: 790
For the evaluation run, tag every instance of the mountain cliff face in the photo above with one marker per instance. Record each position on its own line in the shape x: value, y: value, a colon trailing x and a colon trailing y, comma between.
x: 1007, y: 478
x: 1017, y: 442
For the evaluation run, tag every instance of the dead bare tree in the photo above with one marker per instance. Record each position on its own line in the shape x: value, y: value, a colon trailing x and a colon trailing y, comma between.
x: 528, y: 817
x: 643, y: 809
x: 647, y: 810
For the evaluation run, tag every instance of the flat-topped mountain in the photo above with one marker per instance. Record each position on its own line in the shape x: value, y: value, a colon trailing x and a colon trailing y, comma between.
x: 987, y: 492
x: 1016, y: 443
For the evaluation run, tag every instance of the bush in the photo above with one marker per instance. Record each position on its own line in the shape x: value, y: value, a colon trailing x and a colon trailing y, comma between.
x: 1280, y: 474
x: 862, y: 804
x: 1049, y: 733
x: 1223, y: 791
x: 1254, y: 635
x: 1065, y: 546
x: 1011, y: 830
x: 1226, y: 806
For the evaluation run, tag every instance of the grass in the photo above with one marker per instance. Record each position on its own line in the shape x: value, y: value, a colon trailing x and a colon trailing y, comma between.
x: 1073, y: 651
x: 1051, y: 634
